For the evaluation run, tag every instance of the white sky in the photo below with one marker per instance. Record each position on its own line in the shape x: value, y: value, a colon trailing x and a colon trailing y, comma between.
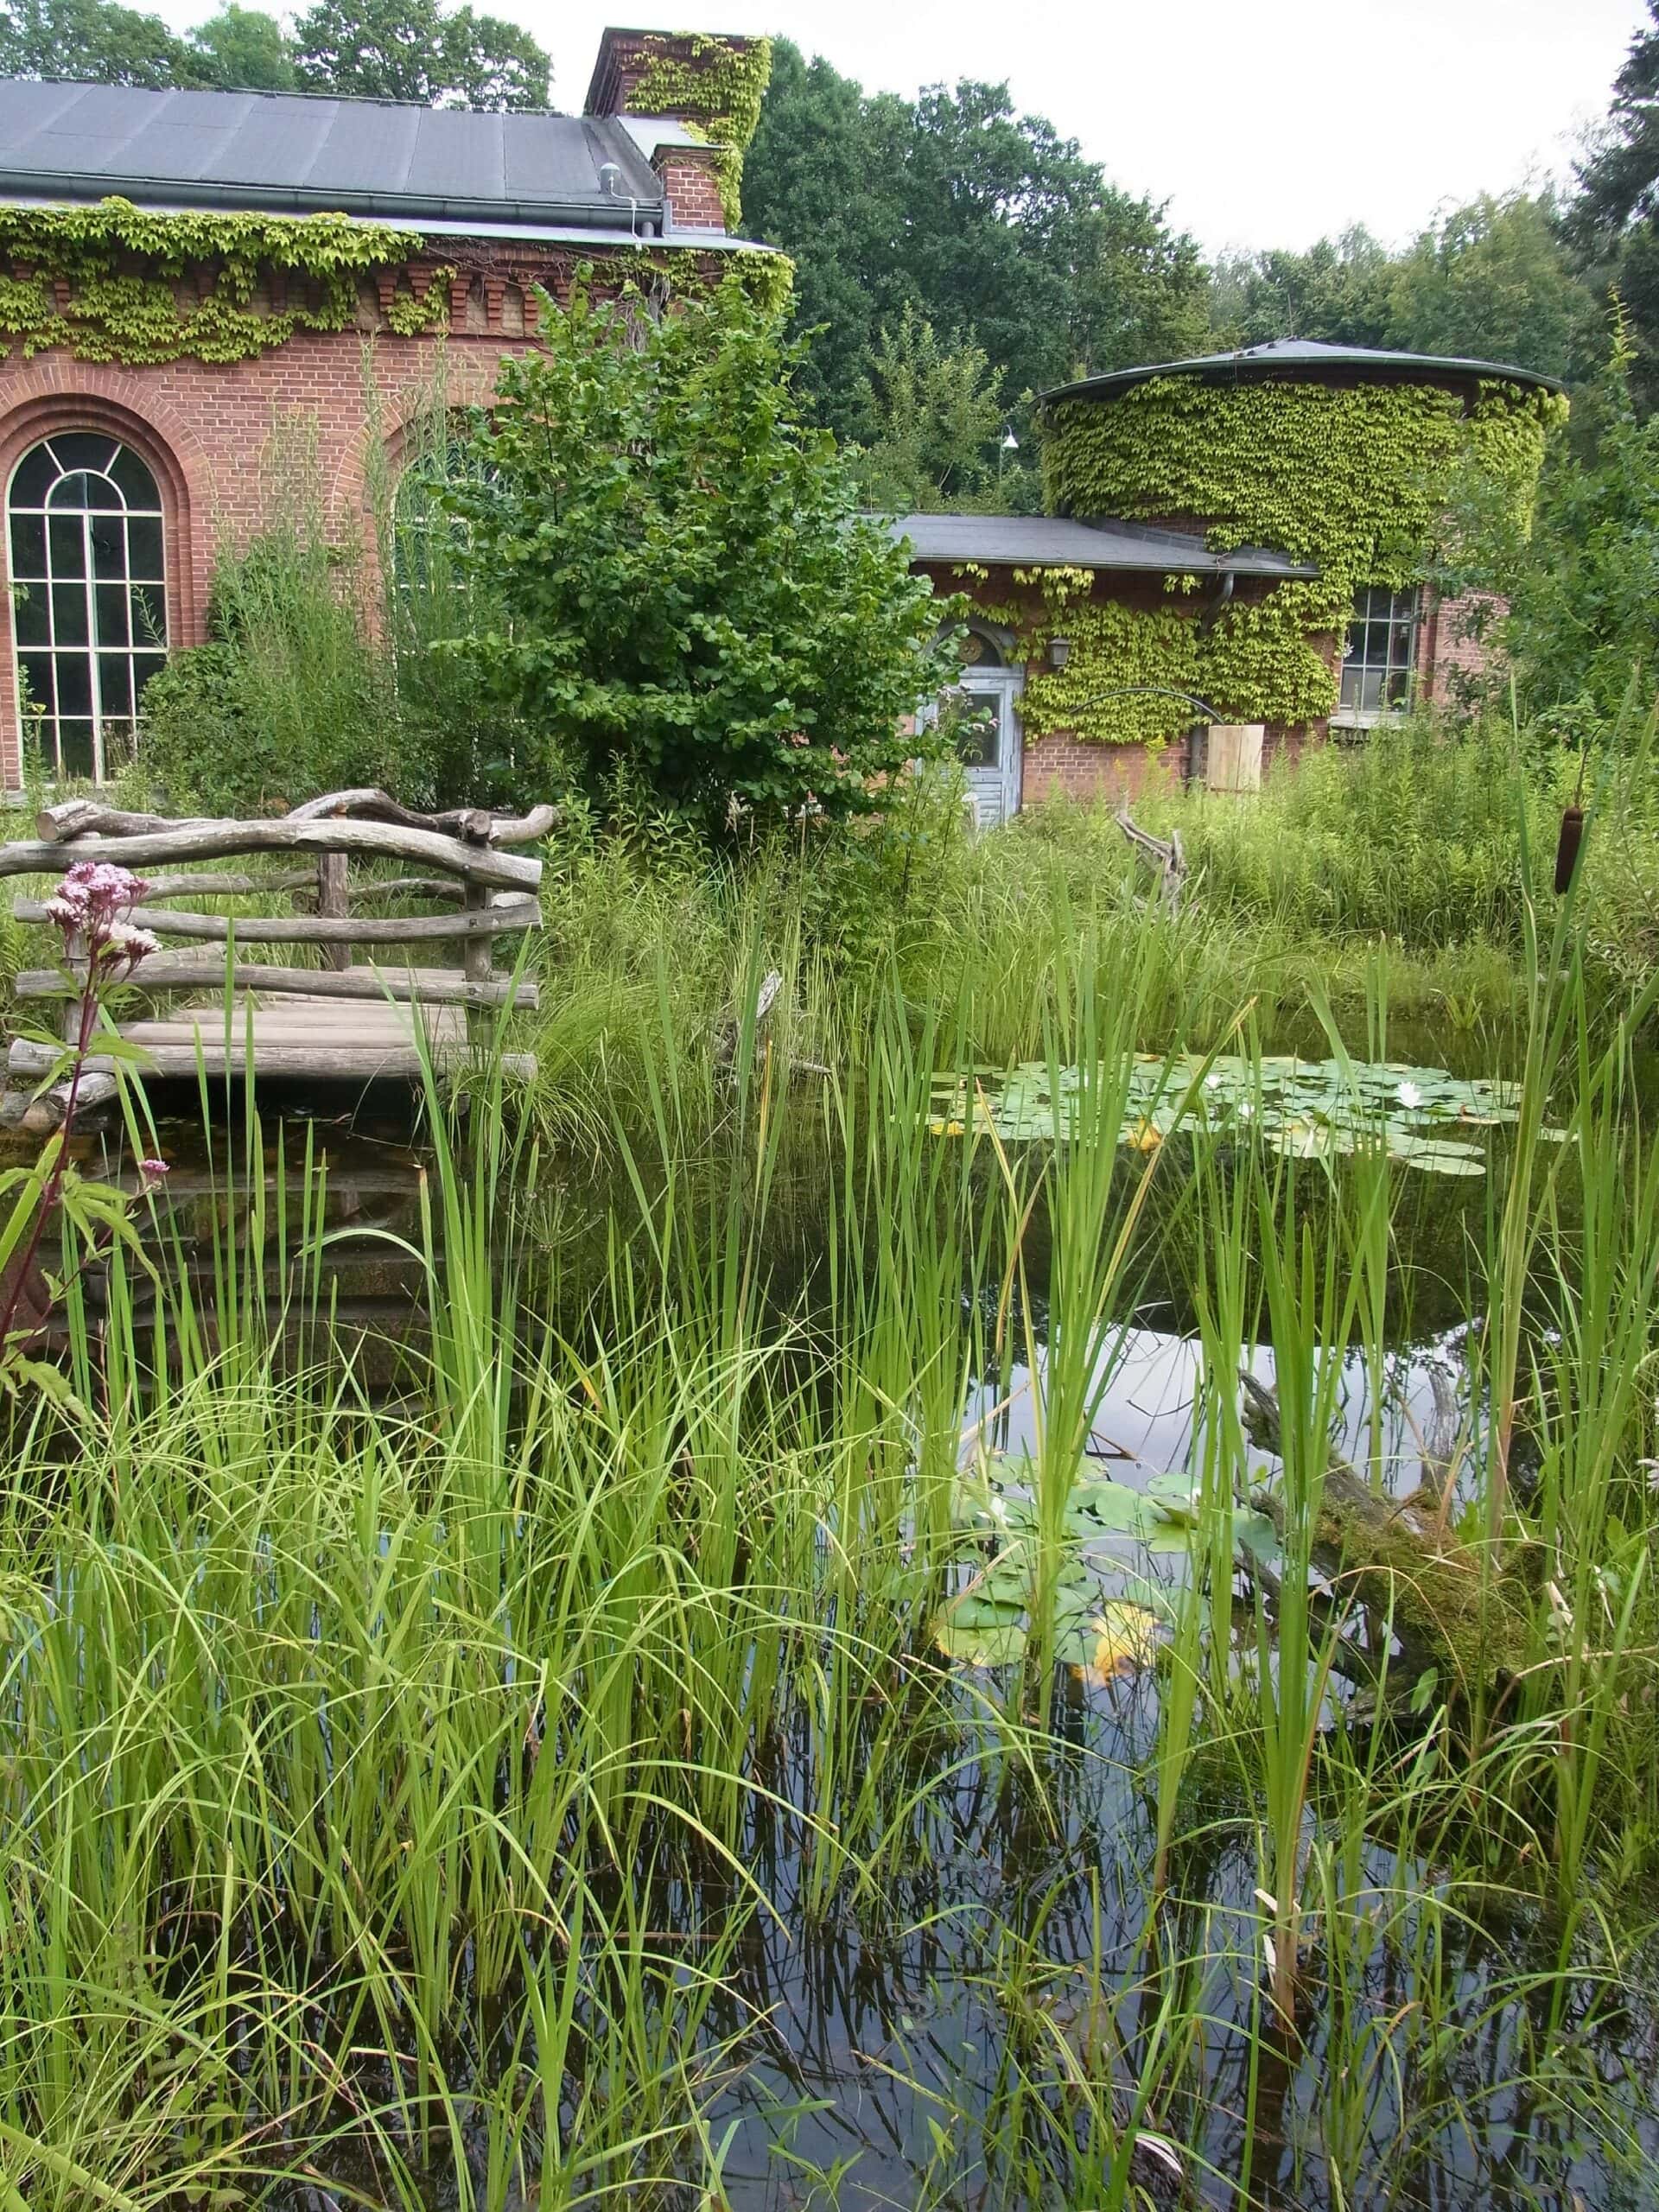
x: 1261, y: 122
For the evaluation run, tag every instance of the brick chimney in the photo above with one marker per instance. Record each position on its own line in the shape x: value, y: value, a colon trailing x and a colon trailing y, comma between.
x: 692, y: 99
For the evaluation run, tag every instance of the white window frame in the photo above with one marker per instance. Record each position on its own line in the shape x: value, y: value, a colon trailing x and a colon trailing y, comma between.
x: 1404, y: 610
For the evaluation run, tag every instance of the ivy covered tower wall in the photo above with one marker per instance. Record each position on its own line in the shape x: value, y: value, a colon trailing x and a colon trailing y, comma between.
x: 1355, y: 466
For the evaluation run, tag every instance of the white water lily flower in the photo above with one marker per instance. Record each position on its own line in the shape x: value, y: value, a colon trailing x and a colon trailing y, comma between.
x: 1409, y: 1097
x: 1245, y: 1110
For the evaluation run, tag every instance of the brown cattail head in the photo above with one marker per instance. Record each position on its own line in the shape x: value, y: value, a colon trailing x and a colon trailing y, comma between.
x: 1566, y: 849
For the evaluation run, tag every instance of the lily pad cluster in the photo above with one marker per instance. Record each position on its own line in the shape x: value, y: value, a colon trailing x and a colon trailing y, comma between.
x: 1111, y: 1605
x: 1310, y: 1109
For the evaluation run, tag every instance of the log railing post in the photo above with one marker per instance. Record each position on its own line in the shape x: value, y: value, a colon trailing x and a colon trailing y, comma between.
x: 333, y: 903
x: 476, y: 954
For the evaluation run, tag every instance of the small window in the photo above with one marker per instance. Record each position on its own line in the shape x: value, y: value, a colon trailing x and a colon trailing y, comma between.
x: 88, y: 597
x: 1377, y: 669
x: 979, y: 651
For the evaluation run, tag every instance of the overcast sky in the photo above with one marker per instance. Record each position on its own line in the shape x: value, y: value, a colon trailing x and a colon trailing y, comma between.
x: 1261, y: 122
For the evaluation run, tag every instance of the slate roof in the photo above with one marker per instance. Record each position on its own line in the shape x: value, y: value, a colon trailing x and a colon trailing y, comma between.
x: 294, y: 153
x: 1056, y: 540
x: 1303, y: 360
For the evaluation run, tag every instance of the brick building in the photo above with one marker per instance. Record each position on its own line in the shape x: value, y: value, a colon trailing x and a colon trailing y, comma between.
x: 186, y: 267
x: 1085, y: 609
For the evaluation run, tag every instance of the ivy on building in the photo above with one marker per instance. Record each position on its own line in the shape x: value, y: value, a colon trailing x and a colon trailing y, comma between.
x: 714, y: 85
x: 766, y: 277
x: 115, y: 282
x: 1359, y: 480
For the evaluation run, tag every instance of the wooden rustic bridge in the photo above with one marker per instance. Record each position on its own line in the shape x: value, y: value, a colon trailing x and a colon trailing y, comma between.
x: 345, y: 1021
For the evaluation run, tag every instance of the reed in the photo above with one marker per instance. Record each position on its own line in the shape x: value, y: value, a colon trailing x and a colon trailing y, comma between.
x: 478, y: 1791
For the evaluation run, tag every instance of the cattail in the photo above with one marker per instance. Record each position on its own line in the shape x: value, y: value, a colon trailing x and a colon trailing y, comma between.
x: 1566, y: 849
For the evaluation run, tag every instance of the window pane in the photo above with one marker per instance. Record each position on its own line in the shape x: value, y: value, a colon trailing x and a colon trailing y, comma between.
x: 37, y: 472
x: 29, y: 611
x: 1351, y: 689
x: 74, y: 682
x: 109, y: 537
x: 148, y: 615
x: 978, y: 738
x: 144, y: 538
x: 83, y: 449
x: 144, y: 665
x: 135, y: 480
x: 65, y: 543
x: 27, y: 545
x: 72, y: 492
x: 115, y: 685
x: 111, y: 614
x: 75, y: 748
x: 1370, y: 691
x: 69, y: 614
x: 42, y: 691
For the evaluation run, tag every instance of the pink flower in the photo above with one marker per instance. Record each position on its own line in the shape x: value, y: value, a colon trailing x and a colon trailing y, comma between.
x: 94, y: 893
x: 152, y: 1172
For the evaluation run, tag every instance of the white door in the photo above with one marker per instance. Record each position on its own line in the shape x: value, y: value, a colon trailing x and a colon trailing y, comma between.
x: 989, y: 747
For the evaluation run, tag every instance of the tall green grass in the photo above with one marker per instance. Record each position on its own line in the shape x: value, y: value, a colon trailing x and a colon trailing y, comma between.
x: 465, y: 1795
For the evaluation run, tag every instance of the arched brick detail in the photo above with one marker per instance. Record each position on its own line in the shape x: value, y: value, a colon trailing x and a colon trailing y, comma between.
x: 42, y: 396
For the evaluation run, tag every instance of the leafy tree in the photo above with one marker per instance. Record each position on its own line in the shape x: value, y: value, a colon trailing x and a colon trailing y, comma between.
x: 93, y: 42
x: 1494, y: 280
x: 412, y: 50
x: 1334, y: 293
x: 244, y: 49
x: 988, y: 225
x: 937, y: 412
x: 1614, y: 222
x: 1584, y: 614
x: 680, y: 589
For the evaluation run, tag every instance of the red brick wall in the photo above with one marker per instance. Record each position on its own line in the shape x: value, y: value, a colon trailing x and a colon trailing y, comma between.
x: 1456, y: 644
x: 692, y: 187
x: 204, y: 430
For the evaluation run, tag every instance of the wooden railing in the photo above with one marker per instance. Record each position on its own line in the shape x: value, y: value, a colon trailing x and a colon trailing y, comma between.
x: 465, y: 862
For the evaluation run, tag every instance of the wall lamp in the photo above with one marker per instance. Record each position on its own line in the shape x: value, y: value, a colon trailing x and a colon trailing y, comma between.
x: 1059, y: 652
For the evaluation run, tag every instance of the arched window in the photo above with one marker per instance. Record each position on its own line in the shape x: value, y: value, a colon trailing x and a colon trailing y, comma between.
x: 88, y: 596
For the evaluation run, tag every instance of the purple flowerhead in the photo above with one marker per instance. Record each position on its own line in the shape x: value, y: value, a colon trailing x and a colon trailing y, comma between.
x: 92, y: 902
x: 92, y: 895
x: 151, y: 1173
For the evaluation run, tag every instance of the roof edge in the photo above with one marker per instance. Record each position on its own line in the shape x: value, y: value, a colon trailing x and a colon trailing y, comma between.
x: 1251, y: 364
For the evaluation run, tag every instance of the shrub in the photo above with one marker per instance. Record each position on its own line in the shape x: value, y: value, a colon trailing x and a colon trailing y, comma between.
x: 674, y: 577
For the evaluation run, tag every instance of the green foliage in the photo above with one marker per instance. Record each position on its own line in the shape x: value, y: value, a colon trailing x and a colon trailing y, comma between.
x: 988, y: 226
x: 244, y: 49
x: 288, y: 698
x: 937, y: 410
x: 1583, y: 627
x: 677, y: 583
x: 1360, y: 480
x: 96, y: 42
x: 714, y: 85
x: 1614, y: 222
x: 1491, y: 281
x: 124, y: 267
x: 419, y: 50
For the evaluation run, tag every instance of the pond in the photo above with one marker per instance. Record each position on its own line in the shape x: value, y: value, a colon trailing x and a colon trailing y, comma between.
x: 940, y: 1947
